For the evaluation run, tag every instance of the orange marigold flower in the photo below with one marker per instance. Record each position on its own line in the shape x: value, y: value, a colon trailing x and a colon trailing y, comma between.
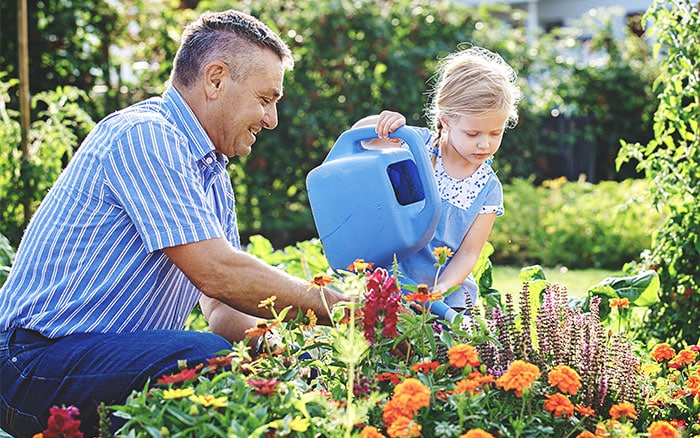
x: 404, y: 427
x: 462, y: 355
x: 415, y: 393
x: 663, y: 352
x: 320, y: 280
x: 683, y: 358
x: 693, y: 385
x: 565, y: 379
x: 371, y: 432
x: 394, y: 409
x: 585, y: 411
x: 585, y: 434
x: 559, y: 405
x: 619, y: 302
x: 472, y: 383
x: 662, y: 429
x: 476, y: 433
x: 623, y: 409
x: 519, y: 377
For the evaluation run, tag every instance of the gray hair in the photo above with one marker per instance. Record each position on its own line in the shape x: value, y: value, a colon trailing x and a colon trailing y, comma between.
x: 228, y: 36
x: 474, y: 82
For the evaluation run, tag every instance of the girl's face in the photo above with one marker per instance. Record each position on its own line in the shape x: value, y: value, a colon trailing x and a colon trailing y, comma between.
x: 472, y: 140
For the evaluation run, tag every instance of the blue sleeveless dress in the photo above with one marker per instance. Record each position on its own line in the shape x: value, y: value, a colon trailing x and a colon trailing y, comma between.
x: 461, y: 201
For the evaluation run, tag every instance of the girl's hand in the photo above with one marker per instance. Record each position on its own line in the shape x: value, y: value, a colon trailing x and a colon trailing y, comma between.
x: 388, y: 122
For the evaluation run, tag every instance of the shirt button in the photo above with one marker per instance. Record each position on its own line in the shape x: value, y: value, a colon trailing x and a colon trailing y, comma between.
x: 210, y: 160
x: 14, y: 359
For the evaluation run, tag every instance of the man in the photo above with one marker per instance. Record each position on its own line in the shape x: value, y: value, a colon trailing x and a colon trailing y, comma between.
x: 140, y: 226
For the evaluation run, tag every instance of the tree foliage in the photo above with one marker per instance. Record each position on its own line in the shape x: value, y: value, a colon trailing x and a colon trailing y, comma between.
x: 671, y: 160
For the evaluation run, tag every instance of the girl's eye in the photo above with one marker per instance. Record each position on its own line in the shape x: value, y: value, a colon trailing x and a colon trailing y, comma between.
x: 472, y: 134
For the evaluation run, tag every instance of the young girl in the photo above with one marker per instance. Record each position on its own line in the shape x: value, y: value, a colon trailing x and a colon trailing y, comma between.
x: 473, y: 102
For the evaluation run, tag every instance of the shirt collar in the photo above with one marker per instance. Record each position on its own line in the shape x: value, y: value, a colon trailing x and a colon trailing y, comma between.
x: 183, y: 117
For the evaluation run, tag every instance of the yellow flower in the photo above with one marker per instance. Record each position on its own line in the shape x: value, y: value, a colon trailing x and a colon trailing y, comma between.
x: 650, y: 369
x: 442, y: 253
x: 209, y: 400
x: 311, y: 317
x: 299, y: 424
x: 174, y: 393
x: 268, y: 301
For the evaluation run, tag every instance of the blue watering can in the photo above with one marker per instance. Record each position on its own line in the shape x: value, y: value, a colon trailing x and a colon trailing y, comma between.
x: 375, y: 204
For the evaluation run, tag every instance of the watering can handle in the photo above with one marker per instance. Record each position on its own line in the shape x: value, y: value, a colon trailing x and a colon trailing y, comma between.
x: 349, y: 143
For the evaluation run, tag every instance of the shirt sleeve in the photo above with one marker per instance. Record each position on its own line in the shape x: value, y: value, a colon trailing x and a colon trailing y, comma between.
x: 494, y: 197
x: 154, y: 177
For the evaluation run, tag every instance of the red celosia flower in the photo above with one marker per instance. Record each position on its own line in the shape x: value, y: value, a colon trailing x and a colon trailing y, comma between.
x: 63, y: 423
x: 425, y: 367
x: 381, y: 305
x: 662, y: 429
x: 183, y: 376
x: 662, y: 352
x: 623, y: 409
x: 264, y: 386
x: 565, y: 379
x: 476, y: 433
x: 519, y: 377
x: 558, y: 405
x: 462, y: 355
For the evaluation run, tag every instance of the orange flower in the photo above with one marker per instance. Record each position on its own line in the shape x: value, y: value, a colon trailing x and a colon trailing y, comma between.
x: 414, y: 392
x: 359, y: 265
x: 662, y: 429
x: 260, y: 329
x: 683, y: 358
x: 320, y: 280
x: 693, y: 385
x: 425, y: 367
x: 404, y: 427
x: 462, y: 355
x: 476, y: 433
x: 565, y: 379
x: 623, y: 409
x: 663, y: 352
x: 619, y: 302
x: 472, y: 383
x: 267, y: 301
x: 585, y: 411
x: 392, y: 377
x: 371, y: 432
x: 559, y: 405
x: 585, y: 434
x: 519, y: 377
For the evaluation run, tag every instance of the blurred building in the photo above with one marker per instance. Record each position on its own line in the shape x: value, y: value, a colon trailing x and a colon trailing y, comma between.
x: 548, y: 14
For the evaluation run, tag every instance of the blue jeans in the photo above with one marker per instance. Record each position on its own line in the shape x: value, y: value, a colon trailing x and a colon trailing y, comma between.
x: 85, y: 369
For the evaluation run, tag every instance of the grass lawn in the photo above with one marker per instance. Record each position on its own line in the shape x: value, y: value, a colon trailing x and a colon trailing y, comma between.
x: 577, y: 282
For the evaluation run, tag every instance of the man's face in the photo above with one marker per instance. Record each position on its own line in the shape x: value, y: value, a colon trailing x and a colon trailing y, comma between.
x: 244, y: 108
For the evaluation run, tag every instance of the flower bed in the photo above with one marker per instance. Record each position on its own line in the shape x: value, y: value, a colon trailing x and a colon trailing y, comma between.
x: 388, y: 367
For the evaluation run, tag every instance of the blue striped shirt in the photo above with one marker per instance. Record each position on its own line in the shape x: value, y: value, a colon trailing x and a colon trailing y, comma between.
x: 91, y: 260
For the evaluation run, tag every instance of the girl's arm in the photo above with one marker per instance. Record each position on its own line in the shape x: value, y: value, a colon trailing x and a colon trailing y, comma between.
x: 466, y: 256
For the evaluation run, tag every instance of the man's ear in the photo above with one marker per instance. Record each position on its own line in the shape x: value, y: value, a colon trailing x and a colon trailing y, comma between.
x: 214, y: 75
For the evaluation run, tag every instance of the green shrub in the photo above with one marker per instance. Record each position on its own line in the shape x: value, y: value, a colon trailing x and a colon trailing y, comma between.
x: 574, y: 224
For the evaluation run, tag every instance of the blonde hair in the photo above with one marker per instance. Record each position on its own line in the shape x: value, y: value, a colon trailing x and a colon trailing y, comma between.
x: 473, y: 82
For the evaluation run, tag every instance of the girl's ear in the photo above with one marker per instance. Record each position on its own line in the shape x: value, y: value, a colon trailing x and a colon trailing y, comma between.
x: 444, y: 122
